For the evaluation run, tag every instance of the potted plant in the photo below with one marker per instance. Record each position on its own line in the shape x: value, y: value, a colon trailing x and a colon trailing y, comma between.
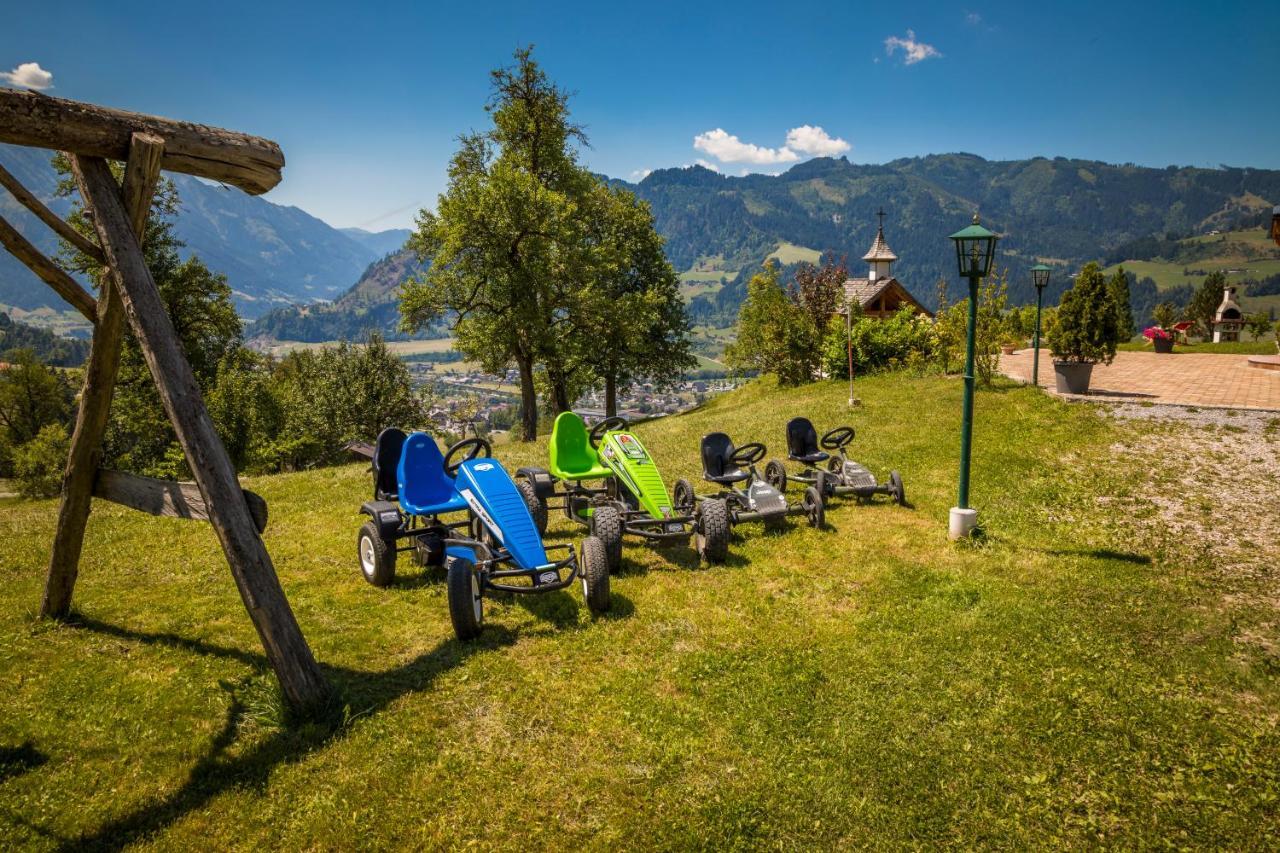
x: 1009, y: 343
x: 1160, y: 339
x: 1086, y: 331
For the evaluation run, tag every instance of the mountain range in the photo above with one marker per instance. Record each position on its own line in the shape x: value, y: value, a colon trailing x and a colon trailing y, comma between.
x: 295, y: 273
x: 272, y: 255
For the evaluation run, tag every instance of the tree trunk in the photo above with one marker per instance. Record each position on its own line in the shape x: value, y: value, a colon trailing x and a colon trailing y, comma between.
x: 560, y: 393
x: 610, y: 396
x: 528, y: 399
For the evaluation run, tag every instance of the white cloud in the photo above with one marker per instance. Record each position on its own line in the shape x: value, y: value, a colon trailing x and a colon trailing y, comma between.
x: 728, y: 148
x: 641, y: 174
x: 814, y: 141
x: 973, y: 18
x: 28, y: 75
x: 707, y: 164
x: 913, y: 51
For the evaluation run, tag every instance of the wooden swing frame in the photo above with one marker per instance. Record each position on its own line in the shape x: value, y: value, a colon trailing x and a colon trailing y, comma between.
x: 90, y: 136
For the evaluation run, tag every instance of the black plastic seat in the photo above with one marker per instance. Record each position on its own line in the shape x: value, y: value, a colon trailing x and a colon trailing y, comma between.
x: 386, y: 459
x: 716, y: 467
x: 802, y: 442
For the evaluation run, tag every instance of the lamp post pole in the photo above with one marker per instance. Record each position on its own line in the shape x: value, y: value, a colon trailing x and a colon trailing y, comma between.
x: 1039, y: 277
x: 975, y: 247
x: 848, y: 317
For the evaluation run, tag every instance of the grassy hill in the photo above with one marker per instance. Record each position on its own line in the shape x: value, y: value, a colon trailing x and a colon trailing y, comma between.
x: 1077, y: 677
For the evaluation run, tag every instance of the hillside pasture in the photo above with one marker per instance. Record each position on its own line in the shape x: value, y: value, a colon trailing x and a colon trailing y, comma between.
x: 1084, y: 674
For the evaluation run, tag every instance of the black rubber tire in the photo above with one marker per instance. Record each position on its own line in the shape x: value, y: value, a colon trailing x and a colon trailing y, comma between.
x: 606, y: 524
x: 712, y: 530
x: 537, y: 506
x: 899, y: 493
x: 834, y: 464
x: 377, y: 556
x: 825, y: 484
x: 815, y: 509
x: 682, y: 498
x: 775, y: 474
x: 466, y: 600
x: 594, y: 567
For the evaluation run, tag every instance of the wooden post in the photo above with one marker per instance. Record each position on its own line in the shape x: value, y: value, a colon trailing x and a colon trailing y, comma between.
x: 141, y: 173
x: 301, y: 679
x: 50, y: 273
x: 48, y: 217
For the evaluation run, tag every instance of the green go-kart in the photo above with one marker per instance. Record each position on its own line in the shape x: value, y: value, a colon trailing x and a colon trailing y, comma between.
x: 631, y: 497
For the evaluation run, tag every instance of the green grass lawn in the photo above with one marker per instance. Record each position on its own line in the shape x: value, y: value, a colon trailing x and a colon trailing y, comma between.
x: 1067, y: 680
x: 1264, y: 347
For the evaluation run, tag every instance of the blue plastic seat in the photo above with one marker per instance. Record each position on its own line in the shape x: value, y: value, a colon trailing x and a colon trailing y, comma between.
x: 425, y: 488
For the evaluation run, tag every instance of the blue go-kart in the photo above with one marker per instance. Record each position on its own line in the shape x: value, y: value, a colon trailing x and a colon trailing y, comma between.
x: 495, y: 546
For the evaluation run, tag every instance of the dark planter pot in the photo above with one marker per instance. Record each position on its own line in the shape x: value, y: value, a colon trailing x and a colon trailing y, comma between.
x: 1162, y: 344
x: 1072, y: 376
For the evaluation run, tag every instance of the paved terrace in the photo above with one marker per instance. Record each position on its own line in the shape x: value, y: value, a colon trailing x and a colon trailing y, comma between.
x: 1188, y: 379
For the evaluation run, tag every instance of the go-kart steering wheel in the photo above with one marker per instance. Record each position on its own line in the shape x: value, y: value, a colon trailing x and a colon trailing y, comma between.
x: 747, y: 455
x: 598, y: 431
x: 473, y: 447
x: 837, y: 438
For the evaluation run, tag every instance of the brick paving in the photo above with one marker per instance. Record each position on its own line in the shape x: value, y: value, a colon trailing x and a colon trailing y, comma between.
x: 1187, y: 379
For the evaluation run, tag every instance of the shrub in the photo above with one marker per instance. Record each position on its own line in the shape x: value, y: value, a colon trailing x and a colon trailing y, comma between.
x: 1086, y: 330
x: 39, y: 464
x: 1165, y: 315
x: 902, y: 340
x: 774, y: 334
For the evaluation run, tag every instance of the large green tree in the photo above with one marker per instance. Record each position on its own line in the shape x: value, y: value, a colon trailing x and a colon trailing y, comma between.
x: 1204, y: 303
x: 1118, y: 287
x: 508, y: 234
x: 32, y: 396
x: 774, y: 334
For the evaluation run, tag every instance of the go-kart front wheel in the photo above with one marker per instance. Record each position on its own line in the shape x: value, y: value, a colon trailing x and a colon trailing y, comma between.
x: 466, y: 600
x: 775, y: 474
x: 595, y: 574
x: 682, y: 497
x: 814, y: 508
x: 896, y: 488
x: 537, y: 506
x: 606, y: 525
x: 712, y: 530
x: 377, y: 556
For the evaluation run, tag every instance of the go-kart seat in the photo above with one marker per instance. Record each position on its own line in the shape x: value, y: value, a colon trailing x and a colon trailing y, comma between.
x: 572, y: 456
x: 716, y: 467
x: 386, y: 463
x: 425, y: 488
x: 802, y: 442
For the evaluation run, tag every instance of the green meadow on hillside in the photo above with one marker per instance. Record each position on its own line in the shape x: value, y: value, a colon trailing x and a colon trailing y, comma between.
x: 1073, y: 677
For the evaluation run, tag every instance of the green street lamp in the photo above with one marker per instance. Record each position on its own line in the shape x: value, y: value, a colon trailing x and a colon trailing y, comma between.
x: 1040, y: 277
x: 975, y: 248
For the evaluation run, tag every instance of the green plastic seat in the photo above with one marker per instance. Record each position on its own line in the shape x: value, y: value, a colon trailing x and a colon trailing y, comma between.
x: 572, y: 456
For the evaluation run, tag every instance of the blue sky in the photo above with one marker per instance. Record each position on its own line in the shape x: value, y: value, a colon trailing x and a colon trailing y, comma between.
x: 367, y: 99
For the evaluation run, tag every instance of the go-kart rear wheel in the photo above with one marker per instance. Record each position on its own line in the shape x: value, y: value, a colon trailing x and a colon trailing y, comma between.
x: 775, y: 474
x: 466, y: 600
x: 537, y: 506
x: 595, y: 574
x: 682, y: 497
x: 895, y: 486
x: 606, y: 524
x: 711, y: 530
x: 814, y: 508
x: 377, y: 556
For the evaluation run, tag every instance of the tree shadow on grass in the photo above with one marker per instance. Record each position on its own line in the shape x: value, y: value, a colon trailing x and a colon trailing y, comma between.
x: 16, y: 760
x: 364, y: 692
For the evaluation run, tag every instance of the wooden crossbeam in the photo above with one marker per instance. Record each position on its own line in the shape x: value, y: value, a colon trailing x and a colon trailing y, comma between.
x: 141, y: 173
x: 166, y: 497
x: 48, y: 217
x: 301, y: 679
x: 49, y: 272
x: 249, y: 162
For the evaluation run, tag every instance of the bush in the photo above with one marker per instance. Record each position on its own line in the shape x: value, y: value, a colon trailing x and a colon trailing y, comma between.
x: 903, y: 340
x: 1086, y: 330
x: 39, y: 464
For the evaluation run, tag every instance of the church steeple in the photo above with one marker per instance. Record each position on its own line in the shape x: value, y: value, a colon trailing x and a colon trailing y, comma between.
x: 880, y: 255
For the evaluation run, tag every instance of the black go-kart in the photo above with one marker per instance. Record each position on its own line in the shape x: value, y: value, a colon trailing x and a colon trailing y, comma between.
x: 745, y: 497
x: 842, y: 475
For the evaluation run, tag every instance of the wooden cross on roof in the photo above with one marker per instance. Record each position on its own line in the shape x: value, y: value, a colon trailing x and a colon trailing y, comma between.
x: 90, y: 136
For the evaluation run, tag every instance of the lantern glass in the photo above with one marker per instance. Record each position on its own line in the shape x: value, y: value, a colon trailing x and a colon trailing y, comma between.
x: 975, y: 249
x: 1040, y: 276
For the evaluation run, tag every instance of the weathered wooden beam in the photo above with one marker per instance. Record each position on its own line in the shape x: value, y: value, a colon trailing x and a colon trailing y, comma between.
x: 301, y: 679
x: 249, y: 162
x: 141, y: 174
x: 48, y: 217
x: 49, y: 272
x: 166, y: 497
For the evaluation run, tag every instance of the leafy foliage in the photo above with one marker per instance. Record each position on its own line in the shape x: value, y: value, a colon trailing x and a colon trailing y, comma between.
x: 1118, y: 287
x: 48, y: 347
x: 1086, y: 329
x: 775, y: 336
x: 38, y: 465
x: 904, y: 339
